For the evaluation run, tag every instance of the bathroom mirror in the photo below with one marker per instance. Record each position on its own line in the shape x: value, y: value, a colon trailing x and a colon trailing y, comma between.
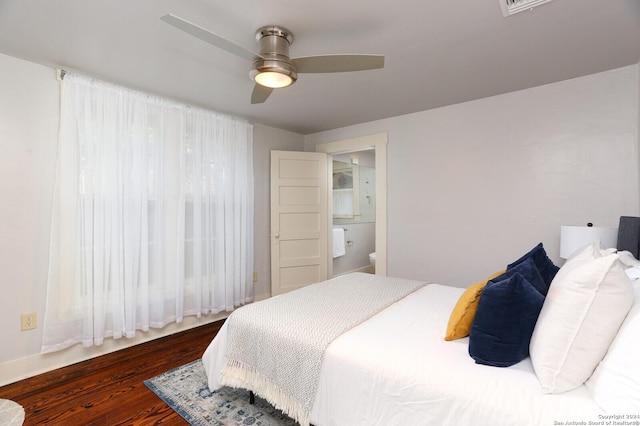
x: 346, y: 190
x: 353, y: 192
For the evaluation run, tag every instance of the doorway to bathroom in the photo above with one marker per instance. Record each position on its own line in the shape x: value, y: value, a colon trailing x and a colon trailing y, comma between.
x: 373, y: 151
x: 353, y: 201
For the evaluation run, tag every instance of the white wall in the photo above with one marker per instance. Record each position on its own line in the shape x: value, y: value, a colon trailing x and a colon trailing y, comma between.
x: 473, y: 186
x: 28, y: 135
x: 29, y: 116
x: 362, y: 239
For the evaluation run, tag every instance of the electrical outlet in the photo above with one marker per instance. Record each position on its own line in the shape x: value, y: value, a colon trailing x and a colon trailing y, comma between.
x: 255, y: 277
x: 28, y: 321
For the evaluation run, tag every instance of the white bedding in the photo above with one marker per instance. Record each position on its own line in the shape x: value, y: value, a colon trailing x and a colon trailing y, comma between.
x: 271, y: 342
x: 396, y: 369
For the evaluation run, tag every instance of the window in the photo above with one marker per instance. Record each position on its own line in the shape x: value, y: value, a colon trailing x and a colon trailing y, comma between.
x: 152, y: 217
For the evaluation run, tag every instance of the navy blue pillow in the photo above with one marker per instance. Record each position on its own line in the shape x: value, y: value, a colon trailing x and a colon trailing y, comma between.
x: 502, y: 329
x: 529, y: 271
x: 546, y: 267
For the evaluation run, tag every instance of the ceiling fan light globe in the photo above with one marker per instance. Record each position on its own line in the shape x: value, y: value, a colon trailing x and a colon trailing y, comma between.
x: 273, y: 79
x: 273, y: 73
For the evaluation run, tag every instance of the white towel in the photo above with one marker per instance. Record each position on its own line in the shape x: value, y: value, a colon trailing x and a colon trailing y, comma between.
x: 339, y: 246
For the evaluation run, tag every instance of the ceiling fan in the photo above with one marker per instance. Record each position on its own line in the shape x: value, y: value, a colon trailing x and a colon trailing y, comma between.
x: 272, y: 68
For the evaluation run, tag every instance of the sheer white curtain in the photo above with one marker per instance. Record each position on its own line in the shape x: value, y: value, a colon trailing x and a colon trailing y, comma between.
x: 152, y: 218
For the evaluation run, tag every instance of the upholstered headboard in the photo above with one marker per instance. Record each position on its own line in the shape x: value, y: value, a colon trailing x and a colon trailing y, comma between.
x: 629, y: 235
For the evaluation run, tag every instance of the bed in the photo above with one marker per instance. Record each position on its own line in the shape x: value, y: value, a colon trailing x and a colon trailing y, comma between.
x: 396, y: 368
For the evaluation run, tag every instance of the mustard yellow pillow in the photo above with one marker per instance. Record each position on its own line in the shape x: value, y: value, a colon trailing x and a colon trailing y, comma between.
x: 465, y: 310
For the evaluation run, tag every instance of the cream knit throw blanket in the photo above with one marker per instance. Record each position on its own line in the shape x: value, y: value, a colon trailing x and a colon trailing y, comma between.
x: 276, y: 346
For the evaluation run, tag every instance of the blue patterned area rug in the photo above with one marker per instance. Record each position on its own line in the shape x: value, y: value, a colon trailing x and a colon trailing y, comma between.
x: 185, y: 390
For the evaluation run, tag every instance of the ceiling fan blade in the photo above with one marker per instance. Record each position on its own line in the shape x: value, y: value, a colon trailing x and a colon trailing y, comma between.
x: 211, y: 38
x: 260, y: 93
x: 338, y: 63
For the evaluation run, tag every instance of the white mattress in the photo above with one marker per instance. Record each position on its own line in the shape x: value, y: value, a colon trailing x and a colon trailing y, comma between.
x: 396, y: 369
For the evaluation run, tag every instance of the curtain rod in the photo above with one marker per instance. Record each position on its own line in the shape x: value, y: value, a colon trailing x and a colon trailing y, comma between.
x: 60, y: 73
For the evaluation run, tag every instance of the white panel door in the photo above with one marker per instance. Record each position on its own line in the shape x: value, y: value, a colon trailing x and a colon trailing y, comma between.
x: 299, y: 218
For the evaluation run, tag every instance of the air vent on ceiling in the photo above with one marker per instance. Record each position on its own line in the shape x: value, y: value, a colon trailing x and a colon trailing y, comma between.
x: 509, y: 7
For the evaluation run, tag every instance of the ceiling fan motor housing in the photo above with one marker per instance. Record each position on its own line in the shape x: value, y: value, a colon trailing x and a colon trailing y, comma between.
x: 274, y: 42
x: 272, y: 68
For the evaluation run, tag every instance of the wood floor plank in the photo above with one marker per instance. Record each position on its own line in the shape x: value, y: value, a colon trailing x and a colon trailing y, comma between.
x: 109, y: 390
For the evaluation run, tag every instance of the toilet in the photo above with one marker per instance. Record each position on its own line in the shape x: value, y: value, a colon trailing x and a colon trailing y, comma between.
x: 372, y: 259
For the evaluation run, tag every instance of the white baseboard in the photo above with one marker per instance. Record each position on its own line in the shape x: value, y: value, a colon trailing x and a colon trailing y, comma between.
x: 366, y: 269
x: 22, y: 368
x: 259, y: 297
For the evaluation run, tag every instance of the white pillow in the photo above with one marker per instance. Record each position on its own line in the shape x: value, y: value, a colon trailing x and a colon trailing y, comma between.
x: 587, y: 301
x: 615, y: 384
x: 590, y: 252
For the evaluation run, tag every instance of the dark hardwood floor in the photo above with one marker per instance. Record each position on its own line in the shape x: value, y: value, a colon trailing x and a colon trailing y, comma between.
x: 108, y: 390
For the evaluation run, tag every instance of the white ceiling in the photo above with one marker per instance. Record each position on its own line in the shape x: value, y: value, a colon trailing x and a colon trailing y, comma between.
x: 437, y: 52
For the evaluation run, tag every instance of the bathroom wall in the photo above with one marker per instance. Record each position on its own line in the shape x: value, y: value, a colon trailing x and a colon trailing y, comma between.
x: 362, y: 238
